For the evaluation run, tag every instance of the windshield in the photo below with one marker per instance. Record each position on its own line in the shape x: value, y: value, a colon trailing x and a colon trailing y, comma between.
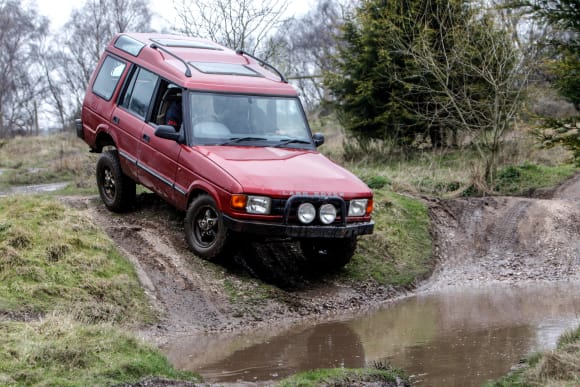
x: 230, y: 119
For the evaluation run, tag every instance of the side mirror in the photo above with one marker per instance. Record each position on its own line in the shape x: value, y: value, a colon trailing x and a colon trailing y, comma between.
x: 318, y: 139
x: 168, y: 132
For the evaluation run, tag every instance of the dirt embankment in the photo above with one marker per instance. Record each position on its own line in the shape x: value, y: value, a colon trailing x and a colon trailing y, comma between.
x: 508, y: 239
x: 478, y: 240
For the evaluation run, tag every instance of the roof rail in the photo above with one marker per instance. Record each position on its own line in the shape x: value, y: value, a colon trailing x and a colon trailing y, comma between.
x: 264, y: 63
x: 156, y: 46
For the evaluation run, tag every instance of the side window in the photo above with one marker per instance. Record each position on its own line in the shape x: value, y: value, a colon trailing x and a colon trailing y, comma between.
x: 168, y: 108
x: 137, y: 97
x: 108, y: 77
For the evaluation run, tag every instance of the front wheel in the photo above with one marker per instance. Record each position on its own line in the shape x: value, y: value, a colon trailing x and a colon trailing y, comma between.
x: 204, y: 228
x: 116, y: 189
x: 328, y: 253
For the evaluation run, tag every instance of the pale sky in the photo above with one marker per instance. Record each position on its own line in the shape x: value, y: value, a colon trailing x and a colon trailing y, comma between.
x: 58, y: 11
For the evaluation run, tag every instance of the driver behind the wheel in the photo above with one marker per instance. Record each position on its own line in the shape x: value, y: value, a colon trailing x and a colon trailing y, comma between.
x: 174, y: 115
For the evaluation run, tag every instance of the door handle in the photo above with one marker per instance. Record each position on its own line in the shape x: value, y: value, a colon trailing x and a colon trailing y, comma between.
x: 116, y: 119
x: 146, y: 138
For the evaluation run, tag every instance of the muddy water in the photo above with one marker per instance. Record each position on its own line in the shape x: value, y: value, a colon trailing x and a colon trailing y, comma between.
x: 454, y: 337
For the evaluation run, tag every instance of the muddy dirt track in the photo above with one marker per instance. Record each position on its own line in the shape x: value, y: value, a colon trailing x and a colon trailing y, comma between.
x: 508, y: 239
x: 478, y: 241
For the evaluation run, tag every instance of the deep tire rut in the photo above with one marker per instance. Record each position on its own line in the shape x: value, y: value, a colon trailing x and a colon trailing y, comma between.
x: 174, y: 287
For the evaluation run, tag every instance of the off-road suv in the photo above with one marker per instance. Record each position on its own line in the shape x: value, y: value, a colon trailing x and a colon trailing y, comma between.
x: 220, y: 135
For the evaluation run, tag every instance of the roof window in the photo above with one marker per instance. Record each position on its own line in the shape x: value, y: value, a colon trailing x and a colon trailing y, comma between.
x: 225, y: 69
x: 129, y: 45
x: 185, y: 43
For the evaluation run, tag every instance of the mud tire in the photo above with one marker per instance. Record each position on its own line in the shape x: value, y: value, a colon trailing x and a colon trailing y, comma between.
x: 328, y: 254
x: 117, y: 190
x: 205, y: 232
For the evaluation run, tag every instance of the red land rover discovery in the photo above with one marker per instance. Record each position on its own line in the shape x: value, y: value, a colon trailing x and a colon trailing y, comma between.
x: 221, y: 135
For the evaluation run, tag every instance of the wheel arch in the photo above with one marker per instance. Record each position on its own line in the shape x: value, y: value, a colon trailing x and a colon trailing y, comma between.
x: 103, y: 140
x: 196, y: 192
x: 205, y: 189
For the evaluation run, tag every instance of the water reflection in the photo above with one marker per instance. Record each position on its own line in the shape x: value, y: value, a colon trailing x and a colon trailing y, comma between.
x: 330, y: 345
x: 461, y: 337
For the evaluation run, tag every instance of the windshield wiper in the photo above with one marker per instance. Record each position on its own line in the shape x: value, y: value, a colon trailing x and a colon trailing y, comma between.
x: 291, y: 141
x: 236, y: 140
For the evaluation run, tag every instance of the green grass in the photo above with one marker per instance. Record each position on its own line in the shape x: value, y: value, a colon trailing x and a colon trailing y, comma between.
x: 62, y: 274
x: 521, y: 179
x: 54, y: 258
x: 58, y: 351
x: 343, y: 377
x: 560, y: 367
x: 400, y: 250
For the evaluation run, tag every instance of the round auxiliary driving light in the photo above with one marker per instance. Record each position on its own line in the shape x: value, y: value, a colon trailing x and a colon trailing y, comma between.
x: 327, y: 213
x: 306, y: 213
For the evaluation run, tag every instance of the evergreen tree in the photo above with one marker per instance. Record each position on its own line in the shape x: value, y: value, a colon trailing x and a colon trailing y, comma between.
x: 405, y: 66
x: 365, y: 87
x: 373, y: 87
x: 564, y: 17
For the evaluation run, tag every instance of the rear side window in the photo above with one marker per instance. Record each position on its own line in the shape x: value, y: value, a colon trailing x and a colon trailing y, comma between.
x: 137, y: 97
x: 108, y: 77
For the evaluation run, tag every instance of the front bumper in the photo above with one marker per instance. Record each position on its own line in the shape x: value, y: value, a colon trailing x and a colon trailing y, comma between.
x: 297, y: 231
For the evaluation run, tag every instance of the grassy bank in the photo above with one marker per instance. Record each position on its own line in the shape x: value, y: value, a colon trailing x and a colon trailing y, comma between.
x: 560, y: 367
x: 66, y: 298
x: 56, y: 259
x: 400, y: 250
x: 346, y: 377
x: 58, y: 351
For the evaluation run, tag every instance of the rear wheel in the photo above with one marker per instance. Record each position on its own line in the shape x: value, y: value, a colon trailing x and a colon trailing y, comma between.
x: 116, y: 189
x: 328, y: 253
x: 204, y: 228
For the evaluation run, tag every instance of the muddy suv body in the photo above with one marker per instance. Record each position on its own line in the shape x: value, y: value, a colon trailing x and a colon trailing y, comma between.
x: 239, y: 159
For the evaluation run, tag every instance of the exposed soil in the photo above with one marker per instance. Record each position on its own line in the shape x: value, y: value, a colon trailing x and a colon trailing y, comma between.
x: 508, y: 239
x: 478, y: 240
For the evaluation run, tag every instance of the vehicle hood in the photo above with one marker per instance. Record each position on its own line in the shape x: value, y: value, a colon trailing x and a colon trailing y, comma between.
x: 283, y: 172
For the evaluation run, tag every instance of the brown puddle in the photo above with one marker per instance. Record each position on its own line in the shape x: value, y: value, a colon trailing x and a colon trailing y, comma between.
x: 454, y: 337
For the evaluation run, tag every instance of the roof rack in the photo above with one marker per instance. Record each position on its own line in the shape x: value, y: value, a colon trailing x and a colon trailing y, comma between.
x: 156, y: 46
x: 264, y: 63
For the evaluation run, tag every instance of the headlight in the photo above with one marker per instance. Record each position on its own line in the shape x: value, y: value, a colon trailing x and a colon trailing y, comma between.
x: 357, y: 207
x: 327, y: 213
x: 258, y: 205
x: 306, y: 213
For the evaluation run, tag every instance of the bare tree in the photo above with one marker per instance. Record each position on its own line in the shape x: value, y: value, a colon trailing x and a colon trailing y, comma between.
x: 475, y: 87
x: 56, y: 95
x: 79, y: 46
x: 20, y: 32
x: 238, y: 24
x: 304, y: 46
